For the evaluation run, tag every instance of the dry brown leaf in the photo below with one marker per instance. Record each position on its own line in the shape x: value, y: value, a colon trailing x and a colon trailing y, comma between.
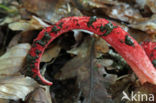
x: 151, y: 5
x: 82, y: 50
x: 124, y: 12
x: 50, y: 53
x: 8, y: 20
x: 105, y: 62
x: 87, y: 4
x: 22, y: 37
x: 51, y: 10
x: 25, y: 25
x: 121, y: 85
x: 148, y: 26
x: 16, y: 87
x: 91, y: 4
x: 82, y: 56
x: 79, y: 67
x: 146, y: 89
x: 113, y: 8
x: 39, y: 95
x: 101, y: 47
x: 80, y: 60
x: 71, y: 68
x: 100, y: 93
x: 12, y: 61
x: 4, y: 100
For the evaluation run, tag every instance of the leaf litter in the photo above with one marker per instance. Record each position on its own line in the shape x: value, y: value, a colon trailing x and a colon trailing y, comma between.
x: 71, y: 68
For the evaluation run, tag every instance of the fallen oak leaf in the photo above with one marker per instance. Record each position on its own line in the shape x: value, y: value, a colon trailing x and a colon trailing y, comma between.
x: 12, y: 61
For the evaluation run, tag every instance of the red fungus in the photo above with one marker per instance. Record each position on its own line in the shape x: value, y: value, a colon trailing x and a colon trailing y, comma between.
x: 120, y: 40
x: 150, y: 49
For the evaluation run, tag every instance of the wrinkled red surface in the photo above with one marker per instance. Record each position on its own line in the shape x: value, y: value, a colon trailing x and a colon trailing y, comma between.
x: 134, y: 55
x: 150, y: 49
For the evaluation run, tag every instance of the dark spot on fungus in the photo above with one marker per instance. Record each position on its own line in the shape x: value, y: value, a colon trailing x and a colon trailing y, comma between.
x: 46, y: 37
x: 34, y: 44
x: 55, y: 29
x: 37, y: 51
x: 60, y: 25
x: 40, y: 42
x: 75, y: 20
x: 77, y: 24
x: 91, y: 20
x: 151, y: 55
x: 129, y: 41
x: 121, y: 41
x: 154, y: 62
x: 32, y: 65
x: 108, y: 27
x: 102, y: 28
x: 31, y: 59
x: 67, y: 27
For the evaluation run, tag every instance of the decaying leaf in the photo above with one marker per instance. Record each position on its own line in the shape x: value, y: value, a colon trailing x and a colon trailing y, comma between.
x: 51, y: 10
x: 70, y: 69
x: 50, y: 53
x: 105, y: 62
x: 25, y: 25
x: 99, y: 90
x: 16, y: 87
x: 87, y: 4
x: 79, y: 67
x: 80, y: 60
x: 82, y: 50
x: 4, y: 100
x: 146, y: 89
x: 150, y: 3
x: 101, y: 46
x: 22, y: 37
x: 124, y: 12
x: 8, y: 20
x: 12, y: 61
x: 12, y: 84
x: 122, y: 84
x: 39, y: 95
x: 23, y: 19
x: 148, y: 26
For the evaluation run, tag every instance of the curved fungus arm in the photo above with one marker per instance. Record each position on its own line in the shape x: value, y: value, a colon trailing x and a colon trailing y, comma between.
x: 120, y: 40
x: 150, y: 49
